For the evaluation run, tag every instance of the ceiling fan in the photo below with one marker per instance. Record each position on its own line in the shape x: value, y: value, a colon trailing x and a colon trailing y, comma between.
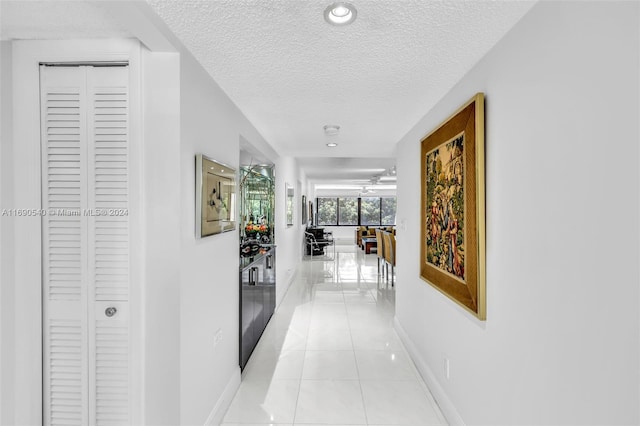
x: 375, y: 180
x: 366, y: 191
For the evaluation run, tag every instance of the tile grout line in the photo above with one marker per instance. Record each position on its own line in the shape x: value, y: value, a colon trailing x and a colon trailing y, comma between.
x: 355, y: 358
x: 306, y: 342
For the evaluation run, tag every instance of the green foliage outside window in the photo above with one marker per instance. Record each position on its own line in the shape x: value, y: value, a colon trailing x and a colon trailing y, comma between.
x: 327, y: 211
x: 368, y: 211
x: 348, y: 211
x: 388, y: 210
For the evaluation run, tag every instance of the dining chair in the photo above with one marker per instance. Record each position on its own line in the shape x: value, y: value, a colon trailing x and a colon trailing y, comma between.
x: 379, y: 249
x: 389, y: 241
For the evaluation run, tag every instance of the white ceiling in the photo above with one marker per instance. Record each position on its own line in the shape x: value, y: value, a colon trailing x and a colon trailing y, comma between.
x: 43, y: 20
x: 344, y: 169
x: 291, y: 73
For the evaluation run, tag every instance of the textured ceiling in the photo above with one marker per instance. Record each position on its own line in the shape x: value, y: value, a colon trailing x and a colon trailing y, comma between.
x: 291, y: 73
x: 30, y: 19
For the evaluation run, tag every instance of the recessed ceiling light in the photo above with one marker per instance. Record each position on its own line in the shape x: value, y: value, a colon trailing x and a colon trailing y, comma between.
x: 340, y: 14
x: 332, y: 144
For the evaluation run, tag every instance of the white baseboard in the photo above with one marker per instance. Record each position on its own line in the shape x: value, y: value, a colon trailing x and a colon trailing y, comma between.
x: 220, y: 409
x: 292, y: 276
x: 282, y: 292
x: 446, y: 406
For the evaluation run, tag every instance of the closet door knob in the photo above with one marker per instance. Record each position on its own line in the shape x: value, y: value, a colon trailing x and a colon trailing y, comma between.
x: 110, y: 311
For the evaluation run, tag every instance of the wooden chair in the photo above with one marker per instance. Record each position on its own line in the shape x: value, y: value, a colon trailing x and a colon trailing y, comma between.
x: 359, y: 236
x: 389, y: 241
x: 379, y: 249
x: 361, y: 230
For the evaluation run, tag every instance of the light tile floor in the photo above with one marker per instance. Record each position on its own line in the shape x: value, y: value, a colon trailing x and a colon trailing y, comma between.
x: 330, y: 355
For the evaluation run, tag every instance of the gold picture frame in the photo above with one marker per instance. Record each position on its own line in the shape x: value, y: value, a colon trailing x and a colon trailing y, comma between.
x: 215, y: 197
x: 452, y: 237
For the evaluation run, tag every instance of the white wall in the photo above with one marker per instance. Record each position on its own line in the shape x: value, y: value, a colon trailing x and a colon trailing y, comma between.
x: 561, y: 341
x: 161, y: 203
x: 288, y: 239
x: 7, y: 341
x: 209, y: 266
x: 212, y: 125
x: 344, y: 235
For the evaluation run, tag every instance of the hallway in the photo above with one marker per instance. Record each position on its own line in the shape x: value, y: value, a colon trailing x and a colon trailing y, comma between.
x: 330, y: 354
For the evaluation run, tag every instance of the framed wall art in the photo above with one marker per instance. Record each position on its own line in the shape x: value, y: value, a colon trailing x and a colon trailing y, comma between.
x: 303, y: 210
x: 215, y: 197
x: 290, y: 194
x: 452, y: 248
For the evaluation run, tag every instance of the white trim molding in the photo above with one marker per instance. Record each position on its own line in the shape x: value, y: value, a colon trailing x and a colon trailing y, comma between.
x: 442, y: 399
x: 222, y: 405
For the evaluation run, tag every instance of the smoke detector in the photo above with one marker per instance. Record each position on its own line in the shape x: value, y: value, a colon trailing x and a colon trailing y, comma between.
x: 331, y: 129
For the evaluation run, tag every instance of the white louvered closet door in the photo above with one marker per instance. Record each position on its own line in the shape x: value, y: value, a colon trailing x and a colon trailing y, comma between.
x: 85, y: 135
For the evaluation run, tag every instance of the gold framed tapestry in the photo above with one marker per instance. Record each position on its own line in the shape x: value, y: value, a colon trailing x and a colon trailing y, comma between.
x: 452, y: 244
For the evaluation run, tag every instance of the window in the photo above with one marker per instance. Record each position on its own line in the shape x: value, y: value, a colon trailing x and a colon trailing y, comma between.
x: 370, y: 211
x: 352, y: 211
x: 388, y: 211
x: 327, y: 211
x: 347, y: 211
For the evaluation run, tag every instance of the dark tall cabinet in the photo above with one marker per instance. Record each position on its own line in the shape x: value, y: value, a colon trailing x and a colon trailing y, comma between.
x: 257, y: 255
x: 257, y: 299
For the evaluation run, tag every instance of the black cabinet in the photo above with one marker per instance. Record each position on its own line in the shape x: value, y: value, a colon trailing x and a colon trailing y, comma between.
x: 257, y: 300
